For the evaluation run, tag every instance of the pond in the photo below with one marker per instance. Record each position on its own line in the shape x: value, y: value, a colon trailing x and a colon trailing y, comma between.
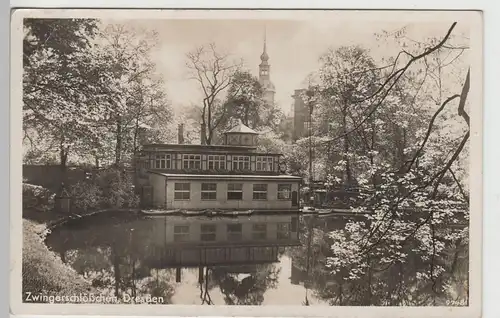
x: 245, y: 260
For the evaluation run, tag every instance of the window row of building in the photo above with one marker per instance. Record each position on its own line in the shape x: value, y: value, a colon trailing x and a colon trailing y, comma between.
x: 213, y: 162
x: 233, y: 232
x: 182, y: 191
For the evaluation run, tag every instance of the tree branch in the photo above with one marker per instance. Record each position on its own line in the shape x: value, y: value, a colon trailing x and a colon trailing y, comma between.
x: 463, y: 98
x: 429, y: 130
x: 395, y: 76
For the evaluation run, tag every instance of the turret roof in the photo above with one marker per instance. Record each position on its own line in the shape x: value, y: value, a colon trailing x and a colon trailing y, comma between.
x: 241, y: 128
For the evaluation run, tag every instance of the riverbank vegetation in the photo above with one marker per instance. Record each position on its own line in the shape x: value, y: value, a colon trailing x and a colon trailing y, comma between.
x: 43, y: 271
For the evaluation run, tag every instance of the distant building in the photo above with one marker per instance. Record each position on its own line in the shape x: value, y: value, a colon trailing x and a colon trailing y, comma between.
x: 300, y: 115
x: 286, y: 129
x: 232, y: 176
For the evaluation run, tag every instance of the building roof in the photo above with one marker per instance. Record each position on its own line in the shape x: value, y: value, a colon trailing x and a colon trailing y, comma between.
x: 197, y: 146
x: 241, y: 128
x: 227, y: 176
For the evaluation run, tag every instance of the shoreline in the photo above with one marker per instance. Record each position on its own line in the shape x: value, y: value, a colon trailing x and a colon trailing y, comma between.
x: 43, y: 270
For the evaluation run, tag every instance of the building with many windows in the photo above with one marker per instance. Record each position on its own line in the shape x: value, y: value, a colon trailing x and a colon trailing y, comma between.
x: 232, y: 176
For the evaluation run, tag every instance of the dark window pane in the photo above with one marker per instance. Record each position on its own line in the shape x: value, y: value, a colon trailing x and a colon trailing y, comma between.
x: 235, y: 186
x: 284, y: 191
x: 208, y: 195
x: 181, y: 229
x: 260, y: 187
x: 234, y: 195
x: 208, y: 187
x: 260, y: 196
x: 260, y: 227
x: 234, y: 228
x: 181, y: 195
x: 182, y: 186
x: 234, y: 236
x: 208, y: 228
x: 259, y: 235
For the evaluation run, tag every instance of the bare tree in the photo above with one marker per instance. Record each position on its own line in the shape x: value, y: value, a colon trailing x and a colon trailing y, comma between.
x: 214, y: 72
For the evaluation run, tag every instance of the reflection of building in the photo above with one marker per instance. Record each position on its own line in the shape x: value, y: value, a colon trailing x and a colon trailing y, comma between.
x: 193, y: 242
x: 230, y: 176
x: 234, y: 243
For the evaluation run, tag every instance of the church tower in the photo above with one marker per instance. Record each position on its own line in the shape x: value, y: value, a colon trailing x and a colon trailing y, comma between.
x: 265, y: 76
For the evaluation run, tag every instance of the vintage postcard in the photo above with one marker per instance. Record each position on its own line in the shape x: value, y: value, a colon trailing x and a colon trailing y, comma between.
x: 287, y: 163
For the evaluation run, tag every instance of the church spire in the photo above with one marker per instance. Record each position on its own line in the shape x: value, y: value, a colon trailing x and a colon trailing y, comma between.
x: 265, y: 35
x: 264, y: 74
x: 264, y: 57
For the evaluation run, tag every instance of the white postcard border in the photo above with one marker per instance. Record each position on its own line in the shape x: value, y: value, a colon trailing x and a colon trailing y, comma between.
x: 290, y: 311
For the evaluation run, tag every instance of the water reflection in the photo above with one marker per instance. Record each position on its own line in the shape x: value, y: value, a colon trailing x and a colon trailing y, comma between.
x: 250, y: 260
x: 182, y: 259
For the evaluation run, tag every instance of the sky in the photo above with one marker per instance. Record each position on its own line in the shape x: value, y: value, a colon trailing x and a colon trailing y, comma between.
x: 188, y: 292
x: 293, y: 45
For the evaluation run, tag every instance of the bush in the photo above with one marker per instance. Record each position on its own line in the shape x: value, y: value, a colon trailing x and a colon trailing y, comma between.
x: 117, y: 189
x: 85, y: 196
x: 110, y: 188
x: 37, y: 198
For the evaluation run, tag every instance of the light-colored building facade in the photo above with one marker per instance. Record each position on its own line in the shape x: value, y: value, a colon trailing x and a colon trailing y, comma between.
x: 233, y: 176
x: 236, y: 192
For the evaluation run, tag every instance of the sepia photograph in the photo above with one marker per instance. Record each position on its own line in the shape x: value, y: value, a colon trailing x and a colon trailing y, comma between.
x: 247, y: 158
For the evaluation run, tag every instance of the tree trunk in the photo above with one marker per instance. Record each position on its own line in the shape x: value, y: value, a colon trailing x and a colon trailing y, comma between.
x: 348, y: 171
x: 134, y: 287
x: 136, y: 134
x: 208, y: 134
x: 63, y: 161
x: 116, y: 268
x: 118, y: 149
x: 245, y: 119
x: 203, y: 134
x: 372, y: 147
x: 368, y: 300
x: 341, y: 293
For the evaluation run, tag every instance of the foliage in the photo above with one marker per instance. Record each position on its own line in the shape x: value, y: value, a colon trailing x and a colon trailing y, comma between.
x: 61, y: 86
x: 91, y: 92
x: 110, y: 188
x: 245, y: 102
x: 43, y: 272
x: 397, y: 130
x: 113, y: 254
x: 117, y: 189
x: 137, y: 110
x: 37, y: 197
x: 250, y: 290
x: 396, y: 146
x: 85, y: 197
